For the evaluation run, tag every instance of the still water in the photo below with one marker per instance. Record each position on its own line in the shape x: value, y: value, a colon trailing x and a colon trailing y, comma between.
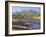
x: 34, y: 23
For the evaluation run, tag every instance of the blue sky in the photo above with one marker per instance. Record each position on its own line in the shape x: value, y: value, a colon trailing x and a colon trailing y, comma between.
x: 19, y: 8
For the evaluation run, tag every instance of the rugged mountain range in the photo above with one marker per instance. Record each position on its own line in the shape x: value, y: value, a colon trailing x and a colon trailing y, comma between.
x: 26, y: 12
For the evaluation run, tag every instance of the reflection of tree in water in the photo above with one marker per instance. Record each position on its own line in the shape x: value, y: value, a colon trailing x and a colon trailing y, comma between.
x: 17, y: 23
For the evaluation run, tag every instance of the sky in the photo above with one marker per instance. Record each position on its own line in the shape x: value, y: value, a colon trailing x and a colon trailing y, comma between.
x: 19, y: 8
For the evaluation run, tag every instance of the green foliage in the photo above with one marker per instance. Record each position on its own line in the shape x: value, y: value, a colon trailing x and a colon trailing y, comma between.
x: 26, y: 15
